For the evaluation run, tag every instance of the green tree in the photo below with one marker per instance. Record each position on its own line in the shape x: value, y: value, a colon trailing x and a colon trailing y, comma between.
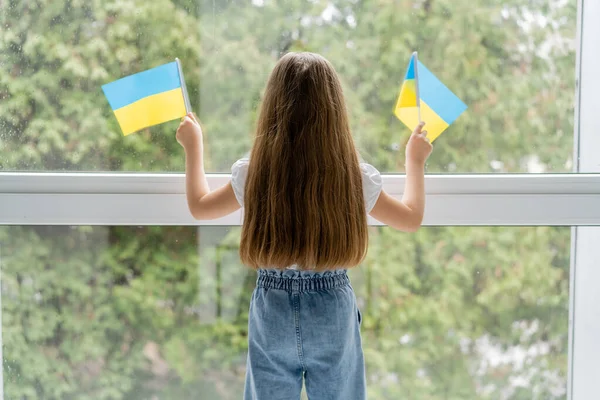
x: 161, y: 312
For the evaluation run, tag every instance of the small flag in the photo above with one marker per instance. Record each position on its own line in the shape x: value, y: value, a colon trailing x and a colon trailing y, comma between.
x: 148, y: 98
x: 424, y: 98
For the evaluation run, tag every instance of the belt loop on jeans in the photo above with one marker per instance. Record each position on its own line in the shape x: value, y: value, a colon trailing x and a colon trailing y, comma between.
x: 295, y: 285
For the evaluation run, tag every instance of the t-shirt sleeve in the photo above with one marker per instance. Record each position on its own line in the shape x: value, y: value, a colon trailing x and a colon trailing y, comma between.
x: 239, y: 172
x: 372, y: 185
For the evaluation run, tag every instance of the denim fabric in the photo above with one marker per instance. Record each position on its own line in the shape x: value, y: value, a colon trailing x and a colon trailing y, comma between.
x: 304, y: 325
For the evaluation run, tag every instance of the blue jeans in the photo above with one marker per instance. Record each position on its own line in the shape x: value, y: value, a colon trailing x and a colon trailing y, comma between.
x: 304, y: 325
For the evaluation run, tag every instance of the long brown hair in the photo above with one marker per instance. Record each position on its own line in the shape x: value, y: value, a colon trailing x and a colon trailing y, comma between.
x: 303, y: 198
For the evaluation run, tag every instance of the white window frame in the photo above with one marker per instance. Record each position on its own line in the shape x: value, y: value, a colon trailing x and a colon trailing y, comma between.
x: 584, y: 308
x: 159, y: 199
x: 468, y: 200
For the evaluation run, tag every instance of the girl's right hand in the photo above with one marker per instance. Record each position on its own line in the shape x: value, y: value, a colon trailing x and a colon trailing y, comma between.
x: 418, y: 147
x: 189, y: 133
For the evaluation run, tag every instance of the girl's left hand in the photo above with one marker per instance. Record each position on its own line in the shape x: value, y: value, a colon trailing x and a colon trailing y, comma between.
x: 189, y: 133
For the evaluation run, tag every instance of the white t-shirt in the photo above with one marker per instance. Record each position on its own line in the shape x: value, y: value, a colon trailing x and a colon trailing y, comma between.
x: 372, y: 182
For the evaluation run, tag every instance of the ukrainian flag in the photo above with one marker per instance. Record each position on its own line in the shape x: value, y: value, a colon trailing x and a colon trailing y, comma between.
x: 424, y: 98
x: 148, y: 98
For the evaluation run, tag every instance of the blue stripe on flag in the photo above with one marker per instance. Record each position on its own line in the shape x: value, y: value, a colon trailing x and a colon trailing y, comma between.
x: 410, y: 72
x: 441, y: 100
x: 135, y: 87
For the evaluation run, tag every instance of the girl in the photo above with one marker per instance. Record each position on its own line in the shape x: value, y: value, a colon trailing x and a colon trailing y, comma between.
x: 306, y: 199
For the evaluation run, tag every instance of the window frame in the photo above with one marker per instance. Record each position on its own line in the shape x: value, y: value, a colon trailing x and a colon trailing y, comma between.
x: 584, y: 297
x: 159, y: 199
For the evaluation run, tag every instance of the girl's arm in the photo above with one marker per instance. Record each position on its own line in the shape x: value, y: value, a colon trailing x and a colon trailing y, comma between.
x: 407, y: 214
x: 202, y: 203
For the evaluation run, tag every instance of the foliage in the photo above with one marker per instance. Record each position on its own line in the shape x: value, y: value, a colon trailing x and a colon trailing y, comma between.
x: 161, y: 312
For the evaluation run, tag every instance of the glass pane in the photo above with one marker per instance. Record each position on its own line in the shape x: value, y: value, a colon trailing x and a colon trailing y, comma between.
x: 161, y: 313
x: 511, y: 62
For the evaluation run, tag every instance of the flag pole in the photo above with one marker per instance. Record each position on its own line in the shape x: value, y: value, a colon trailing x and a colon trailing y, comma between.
x: 416, y: 58
x: 186, y: 98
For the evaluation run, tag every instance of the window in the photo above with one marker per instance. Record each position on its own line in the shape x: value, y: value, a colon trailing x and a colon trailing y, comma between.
x: 161, y: 312
x: 82, y: 206
x: 513, y: 64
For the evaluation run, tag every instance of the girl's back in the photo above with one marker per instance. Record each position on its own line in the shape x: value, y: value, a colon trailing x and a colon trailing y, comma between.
x: 303, y: 197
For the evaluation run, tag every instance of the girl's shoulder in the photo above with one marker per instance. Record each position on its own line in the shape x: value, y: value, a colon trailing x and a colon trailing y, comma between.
x: 239, y: 172
x: 372, y: 182
x: 372, y: 185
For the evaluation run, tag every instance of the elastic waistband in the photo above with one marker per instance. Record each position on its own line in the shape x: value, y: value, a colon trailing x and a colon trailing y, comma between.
x: 301, y: 281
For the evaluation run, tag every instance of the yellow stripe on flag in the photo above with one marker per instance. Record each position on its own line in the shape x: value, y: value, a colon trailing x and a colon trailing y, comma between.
x: 434, y: 124
x: 408, y: 94
x: 151, y: 110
